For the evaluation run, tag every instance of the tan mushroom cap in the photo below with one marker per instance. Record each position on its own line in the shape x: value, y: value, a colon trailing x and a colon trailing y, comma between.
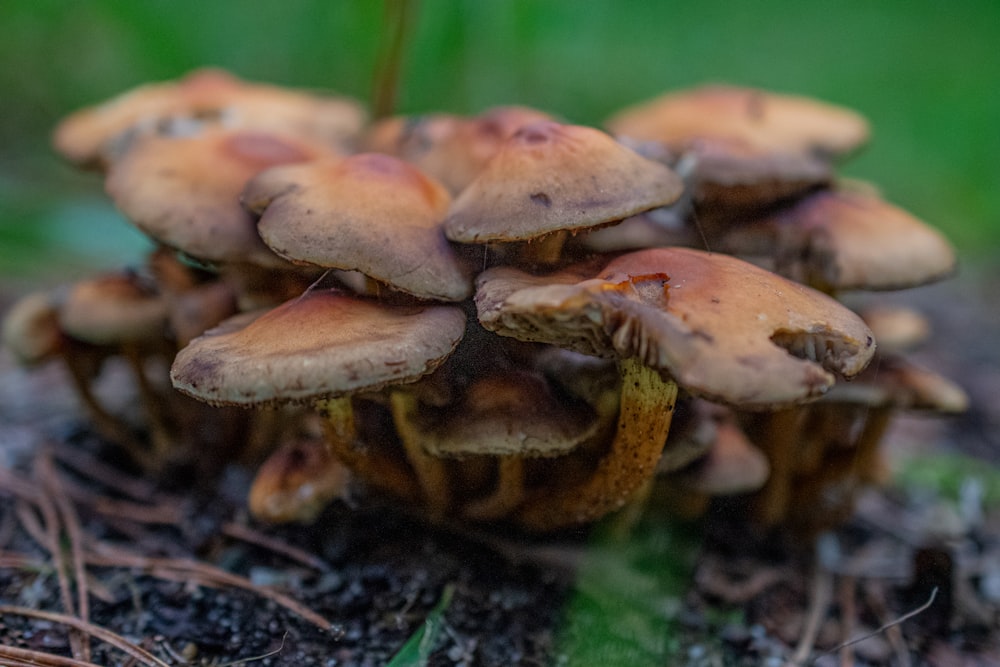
x: 843, y: 240
x: 297, y: 482
x: 113, y: 309
x: 732, y: 465
x: 452, y: 149
x: 896, y: 327
x: 184, y: 192
x: 550, y: 177
x: 322, y: 345
x: 212, y: 96
x: 31, y: 329
x: 896, y: 382
x: 755, y: 119
x: 510, y: 413
x: 720, y: 327
x: 370, y: 212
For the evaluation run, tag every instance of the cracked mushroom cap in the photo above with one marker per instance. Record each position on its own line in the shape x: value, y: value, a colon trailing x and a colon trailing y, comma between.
x: 550, y: 177
x: 113, y: 309
x: 323, y: 344
x: 509, y: 413
x: 184, y: 192
x: 93, y: 136
x: 844, y: 240
x: 754, y: 119
x: 720, y: 327
x: 452, y: 149
x: 371, y: 213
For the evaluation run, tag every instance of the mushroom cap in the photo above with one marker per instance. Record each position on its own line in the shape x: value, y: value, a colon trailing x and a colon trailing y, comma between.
x: 509, y: 413
x: 452, y: 149
x: 322, y: 345
x: 296, y: 482
x: 31, y: 329
x: 732, y: 465
x: 754, y: 119
x: 113, y: 309
x: 549, y: 177
x: 204, y: 96
x: 370, y: 212
x: 895, y: 381
x: 896, y: 327
x: 184, y: 192
x: 720, y: 327
x: 843, y: 240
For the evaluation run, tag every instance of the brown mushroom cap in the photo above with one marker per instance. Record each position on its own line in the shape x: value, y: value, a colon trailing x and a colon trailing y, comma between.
x: 206, y: 95
x: 550, y: 177
x: 371, y: 213
x: 296, y: 482
x: 755, y: 119
x: 843, y: 240
x: 323, y: 344
x: 452, y: 149
x: 31, y: 329
x: 113, y: 309
x: 896, y: 382
x: 896, y: 327
x: 184, y: 192
x: 732, y: 465
x: 510, y: 413
x: 720, y: 327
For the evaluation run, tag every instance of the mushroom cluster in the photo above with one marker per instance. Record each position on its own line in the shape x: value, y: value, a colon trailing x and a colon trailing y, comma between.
x: 495, y: 317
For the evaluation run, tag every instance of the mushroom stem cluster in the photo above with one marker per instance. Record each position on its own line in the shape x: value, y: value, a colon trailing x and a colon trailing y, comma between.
x: 493, y: 317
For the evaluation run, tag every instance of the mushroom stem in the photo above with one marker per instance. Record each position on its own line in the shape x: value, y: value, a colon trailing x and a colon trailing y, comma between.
x: 779, y: 439
x: 431, y: 472
x: 373, y: 466
x: 152, y: 404
x: 507, y: 494
x: 647, y: 405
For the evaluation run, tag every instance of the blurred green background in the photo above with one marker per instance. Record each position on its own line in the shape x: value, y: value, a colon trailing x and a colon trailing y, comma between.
x: 925, y: 73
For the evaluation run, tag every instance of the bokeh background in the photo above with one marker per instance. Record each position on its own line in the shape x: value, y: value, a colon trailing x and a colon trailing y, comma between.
x: 927, y: 75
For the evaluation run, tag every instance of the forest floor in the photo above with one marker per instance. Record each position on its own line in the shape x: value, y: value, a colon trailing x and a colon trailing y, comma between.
x: 186, y: 578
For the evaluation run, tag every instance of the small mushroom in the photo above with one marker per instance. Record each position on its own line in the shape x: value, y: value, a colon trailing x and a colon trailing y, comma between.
x: 297, y: 482
x: 371, y: 213
x: 452, y: 149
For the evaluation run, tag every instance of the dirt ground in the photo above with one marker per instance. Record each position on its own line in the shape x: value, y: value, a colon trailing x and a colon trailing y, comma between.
x: 191, y: 580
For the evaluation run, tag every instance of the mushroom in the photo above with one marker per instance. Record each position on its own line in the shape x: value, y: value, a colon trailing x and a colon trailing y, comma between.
x: 550, y: 179
x: 184, y: 192
x: 452, y: 149
x: 297, y: 482
x: 838, y: 240
x: 742, y: 148
x: 323, y: 348
x: 95, y: 136
x: 723, y: 329
x: 371, y: 213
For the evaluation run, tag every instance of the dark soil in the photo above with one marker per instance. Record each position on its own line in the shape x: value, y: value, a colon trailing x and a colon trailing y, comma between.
x: 376, y: 571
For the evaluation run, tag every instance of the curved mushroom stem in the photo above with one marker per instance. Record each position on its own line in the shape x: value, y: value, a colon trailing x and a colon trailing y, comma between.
x: 506, y: 496
x: 430, y: 470
x: 160, y: 437
x: 647, y: 405
x: 374, y: 467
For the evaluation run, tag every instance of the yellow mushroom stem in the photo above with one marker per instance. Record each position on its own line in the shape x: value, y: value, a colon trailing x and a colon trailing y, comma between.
x: 432, y: 474
x: 647, y: 405
x: 372, y: 465
x: 507, y: 494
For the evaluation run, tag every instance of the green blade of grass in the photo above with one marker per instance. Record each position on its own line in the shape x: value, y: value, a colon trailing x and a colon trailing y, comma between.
x: 417, y: 649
